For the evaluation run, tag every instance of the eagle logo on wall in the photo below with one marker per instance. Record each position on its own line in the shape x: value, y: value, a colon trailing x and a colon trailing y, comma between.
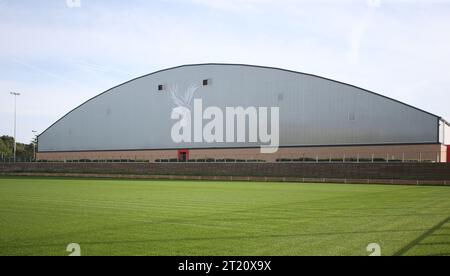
x: 183, y: 104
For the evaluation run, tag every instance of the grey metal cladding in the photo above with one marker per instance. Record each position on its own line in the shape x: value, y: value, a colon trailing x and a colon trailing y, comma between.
x: 313, y: 111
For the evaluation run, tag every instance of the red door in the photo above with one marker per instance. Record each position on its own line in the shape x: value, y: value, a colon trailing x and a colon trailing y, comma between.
x: 183, y: 155
x: 448, y: 154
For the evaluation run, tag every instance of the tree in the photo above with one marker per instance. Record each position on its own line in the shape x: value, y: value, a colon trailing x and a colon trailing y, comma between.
x: 23, y: 151
x: 6, y: 144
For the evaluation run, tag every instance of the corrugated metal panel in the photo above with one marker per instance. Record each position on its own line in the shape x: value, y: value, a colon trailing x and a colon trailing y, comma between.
x: 313, y: 111
x: 446, y: 134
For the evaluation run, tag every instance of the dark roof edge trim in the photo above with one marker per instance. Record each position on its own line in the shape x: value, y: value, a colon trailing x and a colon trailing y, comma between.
x: 444, y: 121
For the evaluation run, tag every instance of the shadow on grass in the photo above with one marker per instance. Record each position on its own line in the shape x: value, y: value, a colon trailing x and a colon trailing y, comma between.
x: 421, y: 238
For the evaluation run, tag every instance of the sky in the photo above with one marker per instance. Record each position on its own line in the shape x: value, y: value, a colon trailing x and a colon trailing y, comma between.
x: 60, y: 53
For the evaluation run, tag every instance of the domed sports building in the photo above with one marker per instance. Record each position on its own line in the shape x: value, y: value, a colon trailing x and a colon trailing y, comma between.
x: 310, y: 118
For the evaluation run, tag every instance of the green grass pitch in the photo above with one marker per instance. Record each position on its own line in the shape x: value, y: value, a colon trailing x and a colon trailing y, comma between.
x: 41, y: 216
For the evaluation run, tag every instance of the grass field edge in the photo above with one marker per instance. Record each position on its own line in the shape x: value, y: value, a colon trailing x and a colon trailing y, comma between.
x: 395, y: 182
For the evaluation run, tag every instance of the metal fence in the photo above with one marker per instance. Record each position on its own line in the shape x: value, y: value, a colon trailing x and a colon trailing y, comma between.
x: 362, y: 157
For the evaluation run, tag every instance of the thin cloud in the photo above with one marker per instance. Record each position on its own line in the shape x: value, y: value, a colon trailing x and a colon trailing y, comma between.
x: 44, y: 71
x: 360, y: 29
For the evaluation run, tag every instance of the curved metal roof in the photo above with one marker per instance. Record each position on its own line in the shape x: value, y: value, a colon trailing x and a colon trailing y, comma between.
x: 246, y: 65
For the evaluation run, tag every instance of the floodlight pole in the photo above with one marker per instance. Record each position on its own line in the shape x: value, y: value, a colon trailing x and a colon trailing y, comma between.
x: 34, y: 145
x: 15, y: 121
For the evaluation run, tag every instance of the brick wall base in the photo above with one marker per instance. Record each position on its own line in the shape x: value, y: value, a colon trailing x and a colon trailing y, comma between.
x: 391, y: 171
